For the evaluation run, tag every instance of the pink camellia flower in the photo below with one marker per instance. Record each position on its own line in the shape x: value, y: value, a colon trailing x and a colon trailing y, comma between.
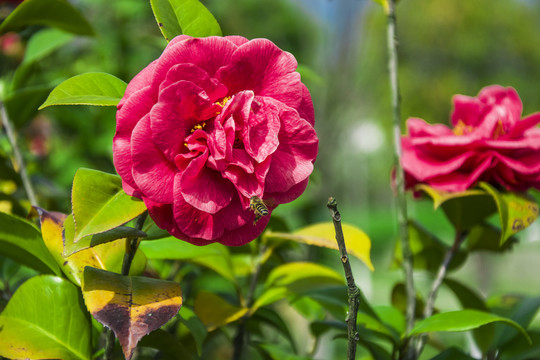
x: 488, y: 142
x: 210, y: 124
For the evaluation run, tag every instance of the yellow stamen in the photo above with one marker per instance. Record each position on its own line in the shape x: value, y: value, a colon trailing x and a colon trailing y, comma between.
x: 461, y: 128
x: 499, y: 130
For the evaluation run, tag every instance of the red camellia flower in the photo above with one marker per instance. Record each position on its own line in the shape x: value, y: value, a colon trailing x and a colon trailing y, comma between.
x: 488, y: 142
x: 210, y: 125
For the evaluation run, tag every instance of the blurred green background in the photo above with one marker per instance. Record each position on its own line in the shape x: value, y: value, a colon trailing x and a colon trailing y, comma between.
x: 446, y: 47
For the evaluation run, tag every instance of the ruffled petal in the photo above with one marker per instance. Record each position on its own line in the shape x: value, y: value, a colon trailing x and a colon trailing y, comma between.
x: 210, y: 54
x: 203, y: 188
x: 292, y: 162
x: 152, y: 172
x: 261, y: 66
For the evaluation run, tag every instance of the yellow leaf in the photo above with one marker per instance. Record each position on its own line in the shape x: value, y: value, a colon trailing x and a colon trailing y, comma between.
x: 131, y: 306
x: 323, y: 235
x: 215, y: 312
x: 107, y: 256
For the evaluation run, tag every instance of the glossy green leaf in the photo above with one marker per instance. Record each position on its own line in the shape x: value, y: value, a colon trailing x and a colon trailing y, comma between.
x: 107, y: 256
x: 428, y: 250
x: 269, y: 317
x: 54, y: 13
x: 100, y: 204
x: 391, y: 317
x: 188, y: 17
x: 323, y: 235
x: 467, y: 297
x: 470, y: 299
x: 99, y: 89
x: 213, y: 256
x: 22, y: 105
x: 519, y: 349
x: 486, y: 237
x: 516, y: 211
x: 43, y: 43
x: 463, y: 209
x: 21, y: 241
x: 45, y: 320
x: 376, y: 326
x: 524, y: 314
x: 296, y: 278
x: 131, y: 306
x: 462, y: 320
x: 195, y: 325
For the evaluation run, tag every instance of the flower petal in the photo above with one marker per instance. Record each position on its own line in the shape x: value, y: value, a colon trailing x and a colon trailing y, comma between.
x: 152, y: 172
x: 203, y: 188
x: 292, y: 162
x: 261, y: 66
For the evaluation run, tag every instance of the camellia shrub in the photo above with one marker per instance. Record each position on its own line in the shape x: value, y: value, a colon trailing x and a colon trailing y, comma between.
x: 180, y: 255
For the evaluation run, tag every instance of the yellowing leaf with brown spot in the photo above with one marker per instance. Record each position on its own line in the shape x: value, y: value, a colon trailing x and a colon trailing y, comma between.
x: 131, y: 306
x: 214, y: 311
x: 323, y: 235
x: 107, y: 256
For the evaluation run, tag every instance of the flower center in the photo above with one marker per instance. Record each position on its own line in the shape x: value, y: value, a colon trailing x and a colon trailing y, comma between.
x: 461, y: 128
x: 198, y: 126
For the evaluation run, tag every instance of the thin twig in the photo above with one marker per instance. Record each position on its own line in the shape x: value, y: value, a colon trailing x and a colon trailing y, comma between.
x: 18, y: 156
x: 131, y: 249
x: 353, y: 291
x: 430, y: 302
x: 240, y: 337
x: 401, y: 202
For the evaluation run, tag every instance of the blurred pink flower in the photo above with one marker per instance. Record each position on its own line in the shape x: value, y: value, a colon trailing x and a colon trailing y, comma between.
x: 210, y: 124
x: 488, y: 142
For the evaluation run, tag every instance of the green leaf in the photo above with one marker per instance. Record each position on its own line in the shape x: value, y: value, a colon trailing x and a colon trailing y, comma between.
x: 214, y: 311
x: 188, y: 17
x: 428, y: 250
x: 269, y: 317
x: 378, y: 327
x: 296, y: 278
x: 452, y: 353
x: 45, y: 320
x: 131, y: 306
x: 55, y: 13
x: 213, y: 256
x: 486, y: 237
x: 462, y: 320
x: 467, y: 297
x: 463, y: 209
x: 516, y: 211
x: 519, y: 349
x: 100, y: 204
x: 22, y: 242
x: 195, y: 326
x: 99, y: 89
x: 43, y: 43
x: 391, y: 317
x: 323, y: 235
x: 524, y: 314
